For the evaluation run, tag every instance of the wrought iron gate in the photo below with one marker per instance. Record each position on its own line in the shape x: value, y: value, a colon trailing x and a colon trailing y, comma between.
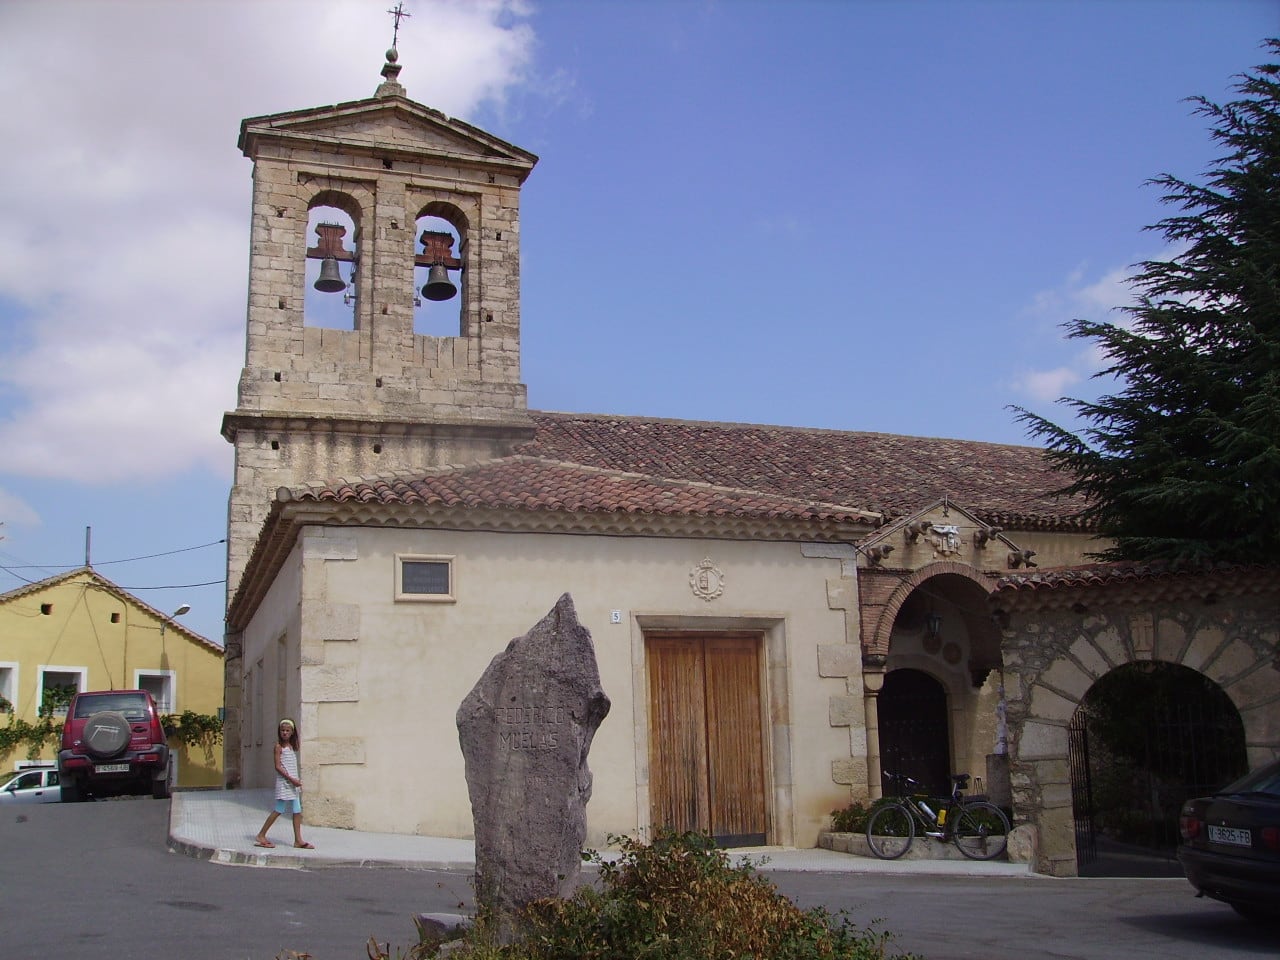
x: 1081, y: 790
x: 1159, y: 736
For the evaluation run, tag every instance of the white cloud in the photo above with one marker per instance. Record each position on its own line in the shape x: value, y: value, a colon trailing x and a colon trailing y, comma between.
x: 1067, y: 363
x: 1104, y: 295
x: 1046, y: 386
x: 125, y: 206
x: 14, y: 510
x: 1084, y: 295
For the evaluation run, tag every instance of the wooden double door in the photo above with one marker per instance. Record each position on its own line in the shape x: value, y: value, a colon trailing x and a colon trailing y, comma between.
x: 706, y: 736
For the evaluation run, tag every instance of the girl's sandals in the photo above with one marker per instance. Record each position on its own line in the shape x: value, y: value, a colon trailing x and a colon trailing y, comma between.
x: 305, y: 846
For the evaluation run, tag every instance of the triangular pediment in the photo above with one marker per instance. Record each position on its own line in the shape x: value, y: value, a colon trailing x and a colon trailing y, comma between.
x: 386, y: 124
x: 941, y: 531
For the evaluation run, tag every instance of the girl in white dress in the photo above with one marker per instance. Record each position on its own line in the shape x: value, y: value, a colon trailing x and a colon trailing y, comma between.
x: 288, y: 786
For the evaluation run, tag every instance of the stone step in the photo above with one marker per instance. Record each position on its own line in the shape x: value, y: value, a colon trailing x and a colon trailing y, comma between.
x: 922, y: 848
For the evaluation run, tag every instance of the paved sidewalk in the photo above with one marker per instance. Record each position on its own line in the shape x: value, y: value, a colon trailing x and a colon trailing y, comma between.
x: 220, y: 825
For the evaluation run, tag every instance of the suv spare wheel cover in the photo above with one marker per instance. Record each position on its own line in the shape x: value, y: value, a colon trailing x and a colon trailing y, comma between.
x: 106, y: 734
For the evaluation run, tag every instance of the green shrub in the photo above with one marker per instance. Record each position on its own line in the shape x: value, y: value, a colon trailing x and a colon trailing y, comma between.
x: 679, y: 898
x: 854, y: 817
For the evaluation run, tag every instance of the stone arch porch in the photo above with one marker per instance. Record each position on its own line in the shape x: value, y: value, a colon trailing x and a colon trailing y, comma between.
x: 1062, y: 630
x: 886, y: 604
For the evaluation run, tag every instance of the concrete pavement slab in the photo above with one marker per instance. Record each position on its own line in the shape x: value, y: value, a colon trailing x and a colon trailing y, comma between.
x: 220, y: 825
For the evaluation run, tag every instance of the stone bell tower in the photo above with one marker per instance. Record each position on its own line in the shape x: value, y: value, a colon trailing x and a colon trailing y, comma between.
x: 377, y: 399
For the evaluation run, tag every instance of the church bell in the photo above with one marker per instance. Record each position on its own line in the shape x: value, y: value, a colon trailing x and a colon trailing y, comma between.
x: 329, y: 281
x: 438, y: 285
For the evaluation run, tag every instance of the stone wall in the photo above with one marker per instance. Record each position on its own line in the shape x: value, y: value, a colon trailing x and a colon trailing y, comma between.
x: 1060, y: 638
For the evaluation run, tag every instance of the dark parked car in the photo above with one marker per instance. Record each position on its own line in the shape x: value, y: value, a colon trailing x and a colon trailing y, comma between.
x: 112, y: 742
x: 1231, y: 844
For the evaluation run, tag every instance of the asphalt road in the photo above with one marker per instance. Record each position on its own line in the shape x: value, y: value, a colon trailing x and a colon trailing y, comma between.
x: 958, y: 918
x: 95, y: 880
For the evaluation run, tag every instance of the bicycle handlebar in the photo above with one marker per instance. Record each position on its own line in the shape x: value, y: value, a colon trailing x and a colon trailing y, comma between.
x: 959, y: 782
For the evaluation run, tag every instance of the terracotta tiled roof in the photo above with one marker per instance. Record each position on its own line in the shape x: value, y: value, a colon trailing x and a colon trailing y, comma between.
x: 658, y: 476
x: 1081, y: 587
x: 1132, y: 572
x: 532, y: 483
x: 1005, y: 485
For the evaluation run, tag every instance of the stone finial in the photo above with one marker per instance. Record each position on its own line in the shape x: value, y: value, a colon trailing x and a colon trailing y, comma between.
x: 390, y: 86
x: 525, y: 729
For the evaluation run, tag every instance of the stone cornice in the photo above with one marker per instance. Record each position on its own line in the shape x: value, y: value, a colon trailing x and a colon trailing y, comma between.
x: 307, y: 127
x: 518, y: 428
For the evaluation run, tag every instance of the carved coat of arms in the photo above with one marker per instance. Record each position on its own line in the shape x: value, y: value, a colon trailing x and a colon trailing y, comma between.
x: 945, y: 538
x: 706, y: 580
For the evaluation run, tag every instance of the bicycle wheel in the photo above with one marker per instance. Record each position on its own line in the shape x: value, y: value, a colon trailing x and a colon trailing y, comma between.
x: 890, y: 831
x: 981, y: 830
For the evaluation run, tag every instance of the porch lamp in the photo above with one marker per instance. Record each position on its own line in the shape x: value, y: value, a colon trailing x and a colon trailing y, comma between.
x: 184, y: 608
x: 933, y: 625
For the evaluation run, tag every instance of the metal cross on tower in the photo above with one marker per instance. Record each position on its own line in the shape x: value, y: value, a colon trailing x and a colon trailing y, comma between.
x: 398, y: 12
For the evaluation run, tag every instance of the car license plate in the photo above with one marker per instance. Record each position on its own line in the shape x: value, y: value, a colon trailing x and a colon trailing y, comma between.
x: 111, y: 768
x: 1230, y: 835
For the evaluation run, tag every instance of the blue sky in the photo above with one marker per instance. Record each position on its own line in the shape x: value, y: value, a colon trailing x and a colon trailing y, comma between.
x: 862, y: 215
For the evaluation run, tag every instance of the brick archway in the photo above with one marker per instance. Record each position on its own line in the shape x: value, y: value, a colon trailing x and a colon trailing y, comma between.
x: 883, y: 593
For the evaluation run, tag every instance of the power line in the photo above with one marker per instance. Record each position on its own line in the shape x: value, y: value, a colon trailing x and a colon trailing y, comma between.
x: 18, y: 576
x: 106, y: 563
x: 176, y: 586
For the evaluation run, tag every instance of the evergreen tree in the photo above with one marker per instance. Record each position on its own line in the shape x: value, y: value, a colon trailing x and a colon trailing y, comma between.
x: 1183, y: 462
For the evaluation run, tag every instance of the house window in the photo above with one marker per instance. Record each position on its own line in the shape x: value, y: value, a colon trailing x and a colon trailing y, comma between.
x: 424, y: 578
x: 59, y: 684
x: 8, y: 685
x: 161, y: 684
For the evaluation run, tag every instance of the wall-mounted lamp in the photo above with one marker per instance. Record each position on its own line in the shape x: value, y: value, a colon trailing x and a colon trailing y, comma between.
x: 184, y: 608
x: 933, y: 625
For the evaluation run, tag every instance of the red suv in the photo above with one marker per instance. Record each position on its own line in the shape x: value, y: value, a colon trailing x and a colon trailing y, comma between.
x: 112, y: 742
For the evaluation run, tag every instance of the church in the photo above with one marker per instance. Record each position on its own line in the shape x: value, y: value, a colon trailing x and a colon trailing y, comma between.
x: 781, y: 615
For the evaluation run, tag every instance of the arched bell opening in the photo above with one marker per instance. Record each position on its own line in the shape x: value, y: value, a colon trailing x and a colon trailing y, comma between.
x: 1147, y: 737
x: 332, y: 262
x: 440, y: 253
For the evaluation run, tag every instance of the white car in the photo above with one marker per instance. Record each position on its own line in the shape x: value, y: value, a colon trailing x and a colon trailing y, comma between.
x: 37, y: 785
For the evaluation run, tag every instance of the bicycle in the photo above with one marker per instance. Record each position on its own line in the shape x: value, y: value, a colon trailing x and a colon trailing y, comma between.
x: 975, y: 825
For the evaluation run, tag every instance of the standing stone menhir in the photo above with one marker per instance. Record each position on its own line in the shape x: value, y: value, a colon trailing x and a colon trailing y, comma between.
x: 526, y: 729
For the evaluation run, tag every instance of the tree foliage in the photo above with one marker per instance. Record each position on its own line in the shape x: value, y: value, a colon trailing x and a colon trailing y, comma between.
x: 1182, y: 464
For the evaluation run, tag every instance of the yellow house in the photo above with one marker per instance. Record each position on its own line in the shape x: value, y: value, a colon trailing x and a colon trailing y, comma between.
x: 79, y: 630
